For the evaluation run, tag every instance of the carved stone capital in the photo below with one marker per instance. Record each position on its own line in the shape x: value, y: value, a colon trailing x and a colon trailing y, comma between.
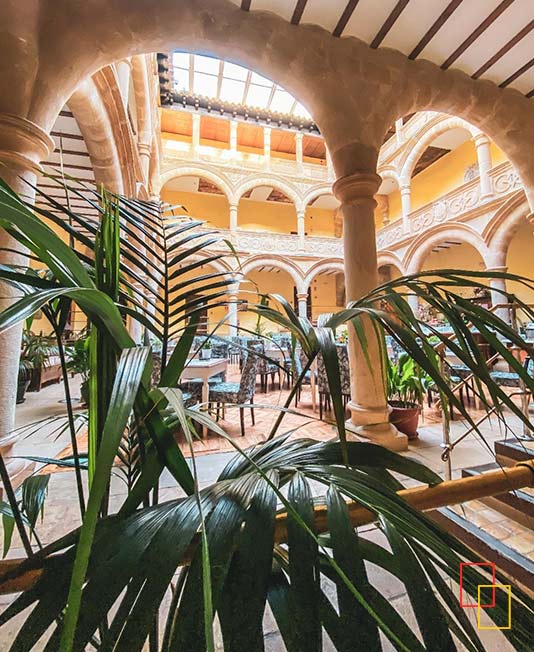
x: 23, y: 144
x: 357, y: 188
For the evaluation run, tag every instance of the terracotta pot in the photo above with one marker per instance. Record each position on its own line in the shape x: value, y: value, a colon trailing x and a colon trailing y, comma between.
x: 406, y: 419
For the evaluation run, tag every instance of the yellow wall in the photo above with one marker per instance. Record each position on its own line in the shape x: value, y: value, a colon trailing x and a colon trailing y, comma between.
x: 320, y: 222
x: 213, y: 209
x: 264, y: 282
x: 462, y: 256
x: 270, y: 216
x: 520, y: 261
x: 323, y: 293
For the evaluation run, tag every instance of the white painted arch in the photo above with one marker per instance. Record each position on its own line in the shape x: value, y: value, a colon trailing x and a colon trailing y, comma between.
x: 323, y: 266
x: 200, y: 171
x: 280, y: 262
x: 253, y: 181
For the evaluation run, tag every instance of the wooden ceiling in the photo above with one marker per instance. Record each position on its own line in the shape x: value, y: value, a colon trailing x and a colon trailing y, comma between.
x: 488, y: 39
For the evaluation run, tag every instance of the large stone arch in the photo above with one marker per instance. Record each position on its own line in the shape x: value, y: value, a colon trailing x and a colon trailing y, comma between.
x: 99, y: 111
x: 274, y: 261
x: 142, y: 100
x: 200, y: 171
x: 269, y: 180
x: 423, y: 139
x: 422, y: 246
x: 503, y: 226
x: 378, y: 85
x: 323, y: 266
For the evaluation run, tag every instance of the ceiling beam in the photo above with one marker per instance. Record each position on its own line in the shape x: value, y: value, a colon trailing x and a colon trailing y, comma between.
x: 474, y: 35
x: 505, y: 48
x: 434, y: 29
x: 245, y: 5
x: 345, y: 17
x: 389, y: 22
x: 299, y: 10
x: 530, y: 94
x: 60, y: 134
x: 517, y: 74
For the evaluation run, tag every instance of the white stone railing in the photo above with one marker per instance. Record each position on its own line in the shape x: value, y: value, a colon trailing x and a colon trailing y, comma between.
x: 457, y: 202
x: 225, y: 158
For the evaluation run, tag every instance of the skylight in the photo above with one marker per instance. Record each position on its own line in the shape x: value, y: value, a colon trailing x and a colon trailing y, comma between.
x: 228, y: 82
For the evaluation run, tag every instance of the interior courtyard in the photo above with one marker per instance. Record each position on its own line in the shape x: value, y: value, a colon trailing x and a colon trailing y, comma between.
x: 271, y: 167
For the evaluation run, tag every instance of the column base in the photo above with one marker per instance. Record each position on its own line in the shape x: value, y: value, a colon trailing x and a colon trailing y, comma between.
x: 383, y: 434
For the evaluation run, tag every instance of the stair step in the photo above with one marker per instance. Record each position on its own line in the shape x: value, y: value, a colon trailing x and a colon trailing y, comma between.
x: 513, y: 563
x: 510, y: 451
x: 517, y: 505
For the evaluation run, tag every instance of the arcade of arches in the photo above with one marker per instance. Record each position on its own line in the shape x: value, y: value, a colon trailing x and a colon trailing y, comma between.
x: 322, y: 193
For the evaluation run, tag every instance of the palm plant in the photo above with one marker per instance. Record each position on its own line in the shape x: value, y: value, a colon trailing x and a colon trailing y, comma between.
x: 260, y: 535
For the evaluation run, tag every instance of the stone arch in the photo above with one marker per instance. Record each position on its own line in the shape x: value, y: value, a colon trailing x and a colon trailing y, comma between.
x: 389, y: 172
x: 316, y: 192
x: 199, y: 171
x: 274, y: 261
x: 323, y: 266
x: 503, y: 226
x: 142, y: 100
x: 424, y: 138
x: 268, y: 180
x: 422, y: 246
x: 389, y: 258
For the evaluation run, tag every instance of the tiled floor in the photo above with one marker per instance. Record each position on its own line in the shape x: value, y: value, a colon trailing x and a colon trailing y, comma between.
x: 61, y: 513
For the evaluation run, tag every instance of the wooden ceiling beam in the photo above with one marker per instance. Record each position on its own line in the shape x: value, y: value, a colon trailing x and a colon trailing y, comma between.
x: 434, y: 29
x: 345, y: 17
x: 245, y: 5
x: 505, y: 48
x: 517, y: 74
x: 299, y: 10
x: 389, y: 22
x: 489, y: 20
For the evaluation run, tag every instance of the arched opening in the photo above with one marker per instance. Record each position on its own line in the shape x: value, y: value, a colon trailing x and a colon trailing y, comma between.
x: 201, y: 197
x: 386, y: 210
x: 266, y: 208
x: 519, y: 261
x: 323, y: 217
x: 327, y: 293
x: 388, y: 272
x: 263, y: 279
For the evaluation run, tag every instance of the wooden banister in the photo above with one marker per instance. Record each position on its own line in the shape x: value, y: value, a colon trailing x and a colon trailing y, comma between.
x: 424, y: 498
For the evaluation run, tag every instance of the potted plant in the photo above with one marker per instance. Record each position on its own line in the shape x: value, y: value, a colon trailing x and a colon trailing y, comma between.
x: 406, y: 383
x: 24, y: 379
x: 34, y: 356
x: 78, y: 363
x: 205, y: 351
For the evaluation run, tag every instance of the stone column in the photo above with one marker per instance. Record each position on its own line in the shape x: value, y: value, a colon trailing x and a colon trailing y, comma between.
x: 299, y: 152
x: 233, y: 137
x: 124, y: 74
x: 145, y: 151
x: 329, y: 166
x: 233, y: 322
x: 482, y: 143
x: 498, y: 288
x: 233, y: 217
x: 23, y: 145
x: 406, y: 201
x: 368, y: 405
x: 301, y: 226
x: 267, y: 147
x: 302, y: 302
x: 195, y: 134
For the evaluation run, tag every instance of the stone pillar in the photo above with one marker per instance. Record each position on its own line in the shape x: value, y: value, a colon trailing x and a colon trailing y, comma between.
x: 329, y: 166
x: 301, y: 226
x: 124, y: 74
x: 302, y: 302
x: 195, y: 134
x: 267, y: 147
x: 145, y: 152
x: 233, y: 322
x: 233, y: 217
x: 406, y: 201
x: 299, y: 152
x: 233, y: 137
x: 23, y: 145
x: 368, y: 405
x: 498, y: 288
x: 482, y: 143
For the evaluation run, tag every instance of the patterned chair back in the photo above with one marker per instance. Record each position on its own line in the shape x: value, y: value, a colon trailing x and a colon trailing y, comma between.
x: 247, y: 384
x: 343, y: 357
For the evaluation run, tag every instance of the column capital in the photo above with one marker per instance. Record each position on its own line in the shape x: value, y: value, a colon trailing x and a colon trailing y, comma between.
x: 299, y: 135
x: 502, y: 269
x: 405, y: 188
x: 302, y: 296
x: 144, y: 149
x: 357, y: 188
x: 480, y: 139
x: 23, y: 144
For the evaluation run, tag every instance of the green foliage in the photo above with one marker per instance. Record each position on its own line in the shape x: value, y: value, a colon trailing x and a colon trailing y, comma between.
x: 78, y: 356
x: 35, y: 352
x: 104, y: 585
x: 406, y: 381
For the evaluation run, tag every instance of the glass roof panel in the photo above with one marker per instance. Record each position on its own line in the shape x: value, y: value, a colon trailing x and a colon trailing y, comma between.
x: 228, y: 83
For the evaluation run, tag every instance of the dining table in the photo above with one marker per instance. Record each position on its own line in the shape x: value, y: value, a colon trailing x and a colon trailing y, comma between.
x: 204, y: 370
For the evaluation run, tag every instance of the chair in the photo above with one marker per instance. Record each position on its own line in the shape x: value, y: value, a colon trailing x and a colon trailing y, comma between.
x: 322, y: 380
x: 241, y: 392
